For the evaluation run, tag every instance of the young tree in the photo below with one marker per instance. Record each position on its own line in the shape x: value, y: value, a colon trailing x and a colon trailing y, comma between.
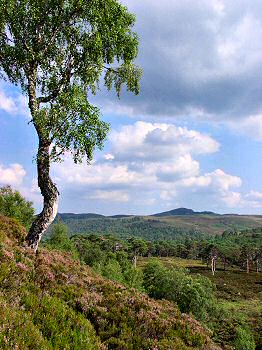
x: 137, y: 246
x: 57, y: 50
x: 59, y: 238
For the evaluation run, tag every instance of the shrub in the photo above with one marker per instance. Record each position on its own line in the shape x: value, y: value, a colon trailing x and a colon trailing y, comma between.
x: 192, y: 295
x: 59, y: 239
x: 61, y: 325
x: 244, y: 340
x: 13, y: 205
x: 11, y: 228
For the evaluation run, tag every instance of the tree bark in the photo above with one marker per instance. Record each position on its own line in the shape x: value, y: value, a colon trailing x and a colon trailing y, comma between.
x: 213, y: 265
x: 49, y: 193
x: 48, y: 188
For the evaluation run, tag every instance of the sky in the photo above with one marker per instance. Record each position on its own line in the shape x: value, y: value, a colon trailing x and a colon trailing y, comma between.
x: 191, y: 138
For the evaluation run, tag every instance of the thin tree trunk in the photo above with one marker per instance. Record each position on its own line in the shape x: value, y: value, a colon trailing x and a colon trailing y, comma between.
x: 213, y: 266
x: 48, y: 188
x: 135, y: 260
x: 248, y: 267
x: 50, y: 195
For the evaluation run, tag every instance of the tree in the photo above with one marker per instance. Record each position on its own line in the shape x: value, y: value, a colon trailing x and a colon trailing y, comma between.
x: 14, y: 205
x: 194, y: 295
x: 137, y: 247
x: 57, y: 50
x: 59, y: 238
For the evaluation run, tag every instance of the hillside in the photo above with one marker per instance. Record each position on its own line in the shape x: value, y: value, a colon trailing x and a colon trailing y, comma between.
x: 159, y: 226
x: 51, y: 301
x: 184, y: 211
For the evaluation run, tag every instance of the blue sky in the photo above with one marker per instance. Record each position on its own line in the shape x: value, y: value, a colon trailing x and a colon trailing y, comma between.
x: 192, y: 138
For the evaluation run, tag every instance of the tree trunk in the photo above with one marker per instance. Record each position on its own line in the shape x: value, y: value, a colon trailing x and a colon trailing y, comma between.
x: 135, y: 260
x: 48, y: 189
x: 50, y: 194
x: 213, y: 266
x: 248, y: 267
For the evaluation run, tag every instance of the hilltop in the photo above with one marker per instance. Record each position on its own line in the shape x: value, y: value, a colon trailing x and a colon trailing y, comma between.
x: 51, y: 301
x: 172, y: 224
x: 184, y: 211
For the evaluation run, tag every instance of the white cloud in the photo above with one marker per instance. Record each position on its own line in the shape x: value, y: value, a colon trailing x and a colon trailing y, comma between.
x: 217, y: 182
x: 7, y: 103
x: 183, y: 167
x: 95, y: 174
x: 250, y: 126
x: 109, y: 156
x: 233, y: 199
x: 254, y: 195
x: 155, y: 141
x: 13, y: 105
x: 12, y: 175
x: 115, y: 196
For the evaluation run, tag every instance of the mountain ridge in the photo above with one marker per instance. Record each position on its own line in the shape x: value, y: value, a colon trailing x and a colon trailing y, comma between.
x: 173, y: 212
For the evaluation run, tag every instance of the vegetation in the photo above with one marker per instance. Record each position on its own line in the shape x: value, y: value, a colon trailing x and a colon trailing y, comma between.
x: 14, y: 205
x: 59, y: 295
x: 194, y: 294
x: 160, y: 227
x: 51, y: 301
x: 144, y: 227
x: 56, y: 51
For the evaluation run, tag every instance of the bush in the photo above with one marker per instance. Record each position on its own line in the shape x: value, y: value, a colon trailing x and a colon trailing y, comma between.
x: 61, y: 325
x: 13, y: 205
x: 59, y: 239
x: 192, y: 295
x: 244, y: 340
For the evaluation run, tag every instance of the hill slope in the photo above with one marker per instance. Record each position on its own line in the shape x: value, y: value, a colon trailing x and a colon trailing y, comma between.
x: 184, y: 211
x: 50, y: 301
x: 160, y: 227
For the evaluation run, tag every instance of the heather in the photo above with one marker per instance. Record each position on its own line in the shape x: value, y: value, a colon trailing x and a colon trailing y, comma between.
x: 52, y: 300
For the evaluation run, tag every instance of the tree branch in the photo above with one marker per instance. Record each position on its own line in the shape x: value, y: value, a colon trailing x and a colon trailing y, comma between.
x: 66, y: 76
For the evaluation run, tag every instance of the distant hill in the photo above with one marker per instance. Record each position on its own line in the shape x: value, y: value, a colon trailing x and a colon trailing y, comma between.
x: 184, y: 211
x: 79, y: 216
x: 170, y: 225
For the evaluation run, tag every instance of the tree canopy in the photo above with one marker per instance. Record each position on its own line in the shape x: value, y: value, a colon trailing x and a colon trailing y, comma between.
x: 57, y: 51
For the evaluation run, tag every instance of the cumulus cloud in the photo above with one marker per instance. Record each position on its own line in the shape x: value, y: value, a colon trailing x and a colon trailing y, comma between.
x: 115, y: 196
x: 12, y: 175
x: 13, y: 104
x: 149, y: 163
x: 155, y: 141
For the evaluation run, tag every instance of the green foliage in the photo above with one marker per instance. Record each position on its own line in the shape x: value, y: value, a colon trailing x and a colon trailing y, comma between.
x: 192, y: 295
x: 57, y: 51
x: 14, y: 205
x: 11, y: 228
x: 127, y: 227
x: 49, y: 301
x: 109, y: 257
x: 111, y: 270
x: 17, y: 331
x: 59, y: 239
x: 61, y: 325
x: 244, y: 340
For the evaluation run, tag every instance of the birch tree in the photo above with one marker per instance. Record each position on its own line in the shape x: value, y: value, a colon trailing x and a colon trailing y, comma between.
x: 57, y: 51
